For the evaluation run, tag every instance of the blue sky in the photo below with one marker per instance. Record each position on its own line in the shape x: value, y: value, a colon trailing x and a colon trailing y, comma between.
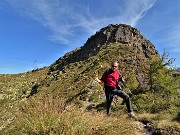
x: 35, y: 33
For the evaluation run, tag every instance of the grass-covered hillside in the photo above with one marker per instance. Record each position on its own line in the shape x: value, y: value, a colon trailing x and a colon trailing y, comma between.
x: 64, y: 99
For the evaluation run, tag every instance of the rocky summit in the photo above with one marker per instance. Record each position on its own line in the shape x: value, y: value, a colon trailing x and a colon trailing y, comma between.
x: 123, y: 34
x: 115, y: 42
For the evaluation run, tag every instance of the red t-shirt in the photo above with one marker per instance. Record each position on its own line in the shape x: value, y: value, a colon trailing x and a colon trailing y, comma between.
x: 111, y: 78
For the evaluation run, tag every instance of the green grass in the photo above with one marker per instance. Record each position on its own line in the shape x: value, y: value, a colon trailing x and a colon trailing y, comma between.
x: 46, y: 116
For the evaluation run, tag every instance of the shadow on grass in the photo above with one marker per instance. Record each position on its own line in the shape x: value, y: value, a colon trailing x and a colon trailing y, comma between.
x: 101, y: 106
x: 177, y: 118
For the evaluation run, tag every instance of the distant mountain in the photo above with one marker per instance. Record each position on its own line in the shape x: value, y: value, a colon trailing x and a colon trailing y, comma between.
x: 178, y: 69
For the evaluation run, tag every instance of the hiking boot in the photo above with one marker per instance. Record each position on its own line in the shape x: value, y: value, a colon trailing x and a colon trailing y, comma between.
x: 131, y: 115
x: 109, y: 114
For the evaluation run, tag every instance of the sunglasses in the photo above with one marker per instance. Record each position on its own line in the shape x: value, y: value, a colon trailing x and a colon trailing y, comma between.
x: 114, y: 66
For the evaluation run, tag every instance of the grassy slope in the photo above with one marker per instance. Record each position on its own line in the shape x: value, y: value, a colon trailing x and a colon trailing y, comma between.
x: 67, y: 86
x: 13, y: 89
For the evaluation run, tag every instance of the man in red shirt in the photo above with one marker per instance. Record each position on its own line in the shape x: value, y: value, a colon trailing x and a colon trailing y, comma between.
x: 110, y: 78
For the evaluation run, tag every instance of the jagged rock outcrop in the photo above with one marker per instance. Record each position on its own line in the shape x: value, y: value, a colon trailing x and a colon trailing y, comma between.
x: 121, y: 33
x: 124, y: 34
x: 134, y: 48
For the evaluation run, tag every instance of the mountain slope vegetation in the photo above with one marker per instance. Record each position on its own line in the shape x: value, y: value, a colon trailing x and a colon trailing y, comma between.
x: 64, y: 98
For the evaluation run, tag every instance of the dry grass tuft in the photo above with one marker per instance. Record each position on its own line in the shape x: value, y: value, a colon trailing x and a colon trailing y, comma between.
x: 46, y: 117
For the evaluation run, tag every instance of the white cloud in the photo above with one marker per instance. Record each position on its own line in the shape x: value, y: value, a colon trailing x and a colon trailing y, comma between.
x: 68, y: 19
x: 138, y: 9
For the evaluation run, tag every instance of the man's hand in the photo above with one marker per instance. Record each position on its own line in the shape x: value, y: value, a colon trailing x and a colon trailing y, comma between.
x: 123, y: 80
x: 97, y: 79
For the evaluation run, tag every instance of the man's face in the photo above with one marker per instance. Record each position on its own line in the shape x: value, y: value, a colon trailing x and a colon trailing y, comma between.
x: 114, y: 66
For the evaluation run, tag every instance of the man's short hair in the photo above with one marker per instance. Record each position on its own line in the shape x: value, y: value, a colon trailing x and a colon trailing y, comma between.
x: 115, y: 61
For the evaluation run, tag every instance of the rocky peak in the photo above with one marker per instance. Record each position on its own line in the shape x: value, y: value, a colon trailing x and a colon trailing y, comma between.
x: 113, y: 33
x: 124, y: 34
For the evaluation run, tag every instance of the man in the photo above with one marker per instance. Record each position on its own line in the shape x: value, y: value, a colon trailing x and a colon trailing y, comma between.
x: 110, y: 78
